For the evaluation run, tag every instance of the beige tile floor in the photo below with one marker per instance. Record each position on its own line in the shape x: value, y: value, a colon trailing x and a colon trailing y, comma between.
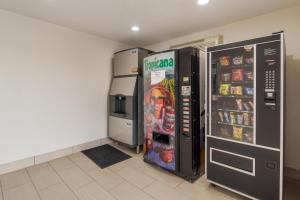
x: 77, y: 178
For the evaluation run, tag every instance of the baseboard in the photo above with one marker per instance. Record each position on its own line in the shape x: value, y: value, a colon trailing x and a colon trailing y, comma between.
x: 52, y: 155
x: 292, y: 173
x: 38, y: 159
x: 16, y: 165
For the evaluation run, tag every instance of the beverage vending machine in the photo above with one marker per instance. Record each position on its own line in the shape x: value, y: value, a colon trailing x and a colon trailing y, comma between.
x: 172, y: 111
x: 245, y: 116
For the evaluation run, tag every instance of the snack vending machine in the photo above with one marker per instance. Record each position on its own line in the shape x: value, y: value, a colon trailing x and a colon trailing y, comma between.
x: 245, y: 116
x: 172, y: 111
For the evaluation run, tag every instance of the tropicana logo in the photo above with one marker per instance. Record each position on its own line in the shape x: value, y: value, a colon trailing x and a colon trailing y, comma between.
x: 157, y: 64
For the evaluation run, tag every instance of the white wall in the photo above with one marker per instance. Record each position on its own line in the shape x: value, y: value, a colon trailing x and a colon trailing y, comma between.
x: 53, y: 84
x: 287, y: 20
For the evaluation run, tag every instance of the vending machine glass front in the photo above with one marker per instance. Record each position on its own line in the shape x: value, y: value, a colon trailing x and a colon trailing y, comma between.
x: 232, y: 90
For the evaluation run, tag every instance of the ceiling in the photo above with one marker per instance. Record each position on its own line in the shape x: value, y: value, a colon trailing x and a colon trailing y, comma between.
x: 158, y: 19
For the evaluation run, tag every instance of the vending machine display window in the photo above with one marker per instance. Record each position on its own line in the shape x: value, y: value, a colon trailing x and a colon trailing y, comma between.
x: 232, y: 93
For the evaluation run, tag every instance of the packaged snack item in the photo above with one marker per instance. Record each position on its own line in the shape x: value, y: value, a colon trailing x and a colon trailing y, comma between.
x: 237, y: 75
x: 224, y: 89
x: 236, y: 90
x: 224, y: 60
x: 240, y: 118
x: 221, y: 116
x: 246, y: 119
x: 226, y: 117
x: 248, y: 137
x: 226, y: 77
x: 248, y: 91
x: 251, y: 104
x: 252, y: 120
x: 249, y: 60
x: 248, y: 48
x: 224, y: 132
x: 248, y: 76
x: 238, y: 133
x: 238, y: 60
x: 239, y: 103
x: 232, y: 118
x: 246, y: 106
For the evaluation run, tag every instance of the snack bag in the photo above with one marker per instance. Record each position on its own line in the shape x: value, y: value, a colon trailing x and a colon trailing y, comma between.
x: 236, y: 90
x: 237, y: 75
x: 240, y: 118
x: 251, y: 104
x: 238, y: 60
x: 226, y: 117
x: 249, y: 60
x: 224, y: 132
x: 221, y: 116
x: 249, y: 91
x: 232, y: 118
x: 248, y: 76
x: 246, y: 106
x: 248, y: 137
x: 246, y: 119
x: 239, y: 103
x: 224, y: 60
x: 248, y: 48
x: 252, y: 120
x: 226, y: 77
x: 238, y: 133
x: 224, y: 89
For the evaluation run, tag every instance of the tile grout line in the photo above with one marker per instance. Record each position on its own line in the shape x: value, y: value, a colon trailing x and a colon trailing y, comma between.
x: 142, y: 171
x: 148, y: 184
x: 20, y: 185
x: 86, y: 173
x: 130, y: 167
x: 95, y: 181
x: 142, y: 190
x: 67, y: 157
x: 31, y: 180
x: 150, y: 194
x: 82, y: 168
x: 48, y: 185
x: 64, y: 181
x: 107, y: 190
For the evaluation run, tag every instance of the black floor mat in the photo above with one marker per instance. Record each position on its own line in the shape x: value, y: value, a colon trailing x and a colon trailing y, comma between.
x: 106, y: 155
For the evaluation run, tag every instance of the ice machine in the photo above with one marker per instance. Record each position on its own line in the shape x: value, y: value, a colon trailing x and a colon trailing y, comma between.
x: 125, y: 120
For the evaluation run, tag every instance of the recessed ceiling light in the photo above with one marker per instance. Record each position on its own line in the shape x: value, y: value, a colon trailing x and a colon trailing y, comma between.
x: 203, y: 2
x: 135, y: 28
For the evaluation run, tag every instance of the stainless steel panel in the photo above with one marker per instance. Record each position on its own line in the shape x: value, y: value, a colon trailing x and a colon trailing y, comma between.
x: 126, y: 62
x: 120, y: 129
x: 124, y: 86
